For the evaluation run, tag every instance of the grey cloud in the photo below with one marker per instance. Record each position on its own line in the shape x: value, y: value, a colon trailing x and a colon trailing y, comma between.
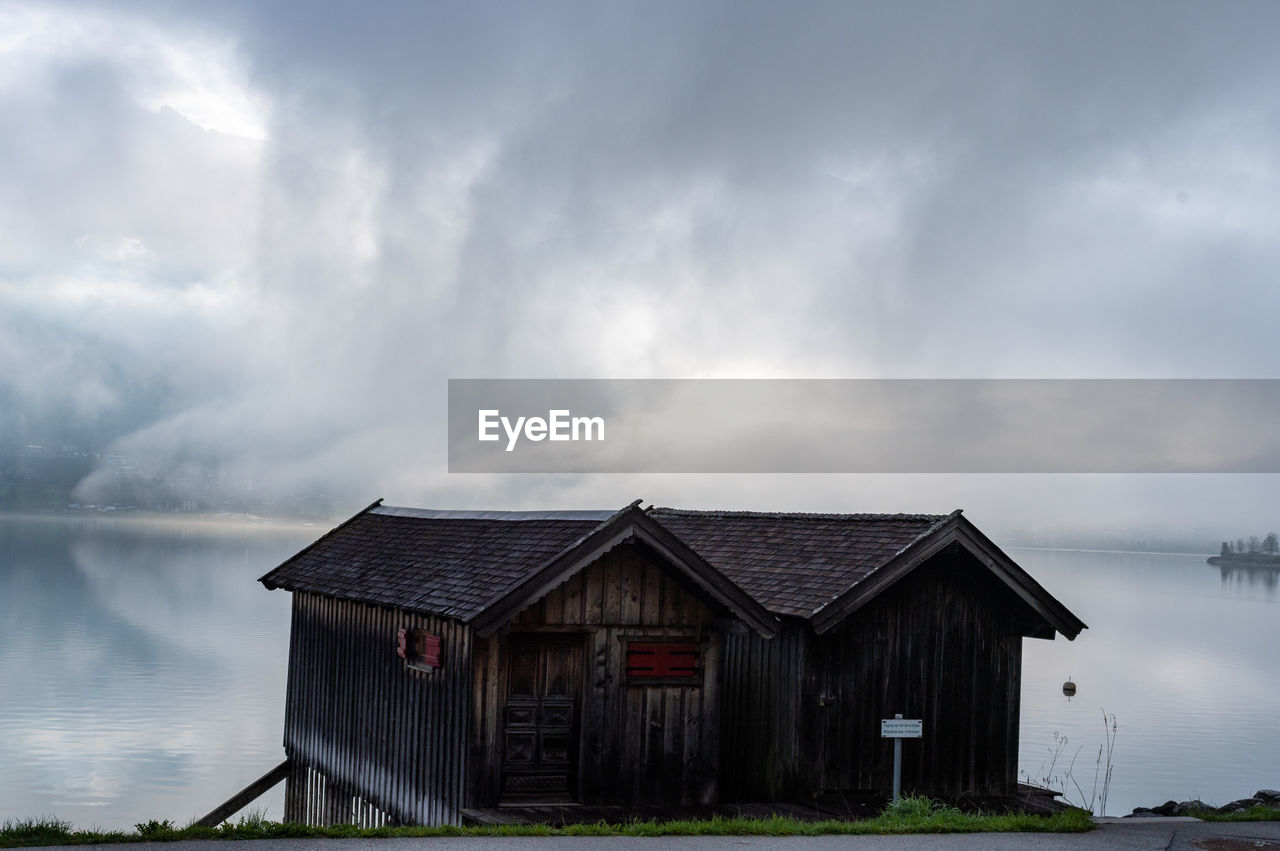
x: 580, y: 189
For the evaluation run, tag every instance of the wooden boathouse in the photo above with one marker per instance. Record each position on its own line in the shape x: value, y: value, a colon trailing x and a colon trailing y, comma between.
x: 447, y: 661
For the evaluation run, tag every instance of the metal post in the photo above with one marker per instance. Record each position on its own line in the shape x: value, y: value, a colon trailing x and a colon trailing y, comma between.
x: 897, y: 765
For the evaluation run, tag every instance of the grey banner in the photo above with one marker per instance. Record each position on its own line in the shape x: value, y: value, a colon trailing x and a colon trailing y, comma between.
x: 864, y: 426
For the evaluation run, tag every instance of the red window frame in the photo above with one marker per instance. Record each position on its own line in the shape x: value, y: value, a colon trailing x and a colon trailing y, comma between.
x: 670, y: 661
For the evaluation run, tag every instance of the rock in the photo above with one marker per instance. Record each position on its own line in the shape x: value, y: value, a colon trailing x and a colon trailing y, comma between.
x: 1186, y: 808
x: 1265, y: 797
x: 1239, y: 806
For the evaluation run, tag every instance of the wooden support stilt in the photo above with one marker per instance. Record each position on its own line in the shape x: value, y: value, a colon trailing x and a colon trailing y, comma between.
x: 245, y: 796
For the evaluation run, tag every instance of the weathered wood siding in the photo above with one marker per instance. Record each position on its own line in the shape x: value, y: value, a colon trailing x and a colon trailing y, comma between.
x: 372, y: 740
x: 638, y: 743
x: 802, y: 712
x: 762, y: 713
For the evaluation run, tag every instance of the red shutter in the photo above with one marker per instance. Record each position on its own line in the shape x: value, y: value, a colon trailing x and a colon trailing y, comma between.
x: 418, y: 648
x: 430, y: 650
x: 662, y: 660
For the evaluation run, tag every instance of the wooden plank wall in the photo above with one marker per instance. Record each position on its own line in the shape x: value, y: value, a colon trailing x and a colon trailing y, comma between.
x: 761, y: 715
x: 378, y: 737
x: 638, y: 743
x: 942, y: 646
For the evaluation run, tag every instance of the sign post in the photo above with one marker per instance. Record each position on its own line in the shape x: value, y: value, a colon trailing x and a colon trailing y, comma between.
x: 899, y: 728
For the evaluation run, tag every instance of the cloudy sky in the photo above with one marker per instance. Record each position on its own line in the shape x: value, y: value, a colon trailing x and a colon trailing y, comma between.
x: 265, y: 234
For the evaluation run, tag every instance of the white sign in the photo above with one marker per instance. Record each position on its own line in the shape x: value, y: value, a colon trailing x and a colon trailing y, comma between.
x: 901, y: 728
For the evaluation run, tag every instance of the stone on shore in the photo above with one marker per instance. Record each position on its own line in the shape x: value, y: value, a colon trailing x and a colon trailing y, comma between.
x: 1263, y: 797
x: 1239, y: 806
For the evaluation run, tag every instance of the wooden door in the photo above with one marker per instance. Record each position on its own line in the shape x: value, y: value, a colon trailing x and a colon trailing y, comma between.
x: 540, y: 720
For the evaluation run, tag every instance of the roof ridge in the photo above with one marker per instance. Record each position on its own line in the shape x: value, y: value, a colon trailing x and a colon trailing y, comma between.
x: 796, y: 515
x: 484, y: 514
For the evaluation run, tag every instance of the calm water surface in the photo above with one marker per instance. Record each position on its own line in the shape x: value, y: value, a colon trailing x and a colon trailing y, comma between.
x: 1184, y: 654
x: 142, y: 670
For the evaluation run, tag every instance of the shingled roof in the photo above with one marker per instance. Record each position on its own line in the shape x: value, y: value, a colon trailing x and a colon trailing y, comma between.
x: 479, y: 566
x: 448, y: 563
x: 795, y: 564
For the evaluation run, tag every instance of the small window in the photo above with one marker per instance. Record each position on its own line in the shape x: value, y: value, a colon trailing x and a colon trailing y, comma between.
x: 418, y: 648
x: 666, y: 660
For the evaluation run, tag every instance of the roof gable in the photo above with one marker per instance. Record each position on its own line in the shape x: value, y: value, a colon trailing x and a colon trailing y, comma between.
x: 796, y: 564
x: 630, y: 524
x: 956, y: 530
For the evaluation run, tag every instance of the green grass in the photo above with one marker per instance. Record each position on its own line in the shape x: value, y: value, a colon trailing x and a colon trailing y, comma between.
x: 910, y: 815
x: 1258, y: 812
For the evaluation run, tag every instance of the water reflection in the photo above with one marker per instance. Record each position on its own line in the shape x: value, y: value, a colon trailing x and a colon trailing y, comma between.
x: 1248, y: 579
x: 143, y: 666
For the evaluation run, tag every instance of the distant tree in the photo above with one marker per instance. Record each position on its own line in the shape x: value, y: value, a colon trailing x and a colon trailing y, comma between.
x: 1271, y: 544
x: 1226, y: 549
x: 1240, y: 545
x: 1255, y: 546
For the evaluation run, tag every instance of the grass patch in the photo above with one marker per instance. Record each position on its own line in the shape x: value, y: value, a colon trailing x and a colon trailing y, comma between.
x: 51, y: 831
x: 910, y: 815
x: 1258, y: 812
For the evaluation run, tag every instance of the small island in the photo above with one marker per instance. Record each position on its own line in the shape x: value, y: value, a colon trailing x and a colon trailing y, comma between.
x: 1253, y: 551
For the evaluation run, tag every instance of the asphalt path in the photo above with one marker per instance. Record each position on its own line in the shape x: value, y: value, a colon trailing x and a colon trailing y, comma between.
x: 1132, y: 834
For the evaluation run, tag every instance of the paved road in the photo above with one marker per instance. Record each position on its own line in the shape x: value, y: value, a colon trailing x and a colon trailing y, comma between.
x: 1130, y: 834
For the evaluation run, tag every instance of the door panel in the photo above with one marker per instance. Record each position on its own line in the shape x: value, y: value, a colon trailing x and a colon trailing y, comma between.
x: 540, y: 736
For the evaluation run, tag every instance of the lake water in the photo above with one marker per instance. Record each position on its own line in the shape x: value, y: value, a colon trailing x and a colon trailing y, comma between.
x: 1185, y: 655
x: 142, y: 667
x: 142, y: 670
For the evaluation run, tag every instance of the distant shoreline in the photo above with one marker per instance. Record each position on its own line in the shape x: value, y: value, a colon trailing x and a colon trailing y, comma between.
x: 1112, y: 552
x: 1252, y: 559
x: 208, y: 519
